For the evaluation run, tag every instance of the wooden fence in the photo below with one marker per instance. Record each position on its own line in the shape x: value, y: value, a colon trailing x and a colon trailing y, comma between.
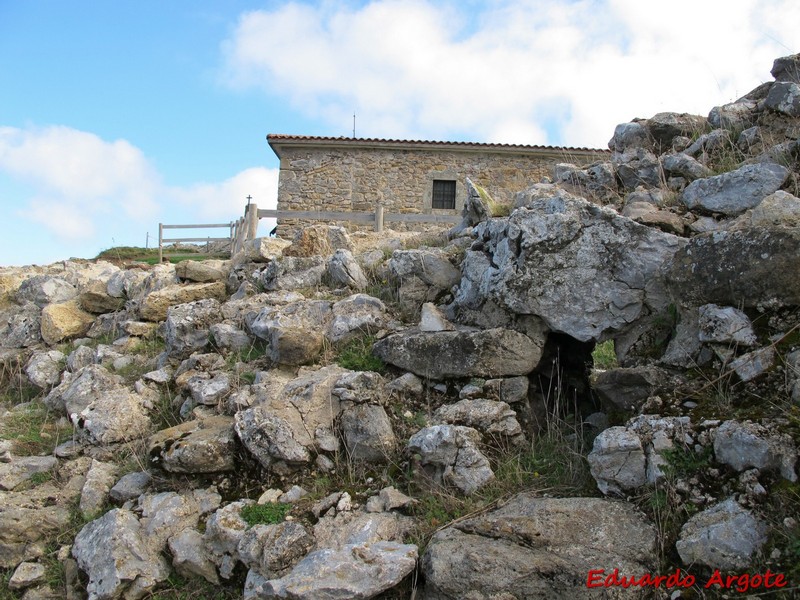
x: 246, y: 228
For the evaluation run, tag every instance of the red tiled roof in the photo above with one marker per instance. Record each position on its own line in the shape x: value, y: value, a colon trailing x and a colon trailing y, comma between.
x: 279, y: 137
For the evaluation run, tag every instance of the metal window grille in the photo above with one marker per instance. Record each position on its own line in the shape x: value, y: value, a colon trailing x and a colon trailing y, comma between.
x: 444, y: 194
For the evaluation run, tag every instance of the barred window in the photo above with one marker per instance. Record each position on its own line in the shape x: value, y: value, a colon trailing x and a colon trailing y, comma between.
x: 444, y: 194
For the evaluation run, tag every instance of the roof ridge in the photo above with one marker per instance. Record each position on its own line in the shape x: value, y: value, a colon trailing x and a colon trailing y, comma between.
x: 314, y: 138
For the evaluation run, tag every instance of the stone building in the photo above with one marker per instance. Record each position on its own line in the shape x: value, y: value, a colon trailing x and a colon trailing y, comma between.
x: 405, y: 177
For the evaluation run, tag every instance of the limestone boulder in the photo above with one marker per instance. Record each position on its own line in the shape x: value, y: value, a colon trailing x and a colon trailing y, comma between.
x: 666, y: 126
x: 188, y: 325
x: 81, y: 388
x: 99, y: 480
x: 190, y: 557
x: 155, y: 305
x: 784, y: 97
x: 345, y: 271
x: 319, y: 240
x: 724, y: 536
x: 199, y: 446
x: 290, y: 427
x: 355, y: 315
x: 203, y: 271
x: 367, y: 433
x: 294, y: 332
x: 45, y: 289
x: 115, y: 557
x: 617, y: 461
x: 446, y: 354
x: 64, y: 320
x: 226, y: 335
x: 725, y: 325
x: 26, y: 527
x: 224, y: 530
x: 595, y: 181
x: 20, y: 469
x: 746, y: 269
x: 44, y: 368
x: 780, y: 209
x: 637, y: 167
x: 734, y: 192
x: 117, y: 415
x: 449, y: 456
x: 491, y: 417
x: 627, y: 389
x: 745, y: 445
x: 273, y: 550
x: 21, y: 327
x: 358, y: 572
x: 294, y: 273
x: 537, y: 547
x: 584, y: 270
x: 260, y: 250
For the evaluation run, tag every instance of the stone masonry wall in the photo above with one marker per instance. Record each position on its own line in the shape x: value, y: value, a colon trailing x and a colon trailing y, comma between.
x: 358, y: 179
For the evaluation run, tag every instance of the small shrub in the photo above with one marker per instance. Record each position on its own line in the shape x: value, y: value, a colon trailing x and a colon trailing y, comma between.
x: 357, y: 355
x: 269, y: 514
x: 34, y: 430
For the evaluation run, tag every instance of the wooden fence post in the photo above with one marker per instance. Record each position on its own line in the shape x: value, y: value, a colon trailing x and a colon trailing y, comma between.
x: 160, y: 242
x: 252, y: 221
x: 379, y: 217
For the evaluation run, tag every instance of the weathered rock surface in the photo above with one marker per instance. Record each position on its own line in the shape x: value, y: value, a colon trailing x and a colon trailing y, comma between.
x: 449, y: 456
x: 743, y: 445
x: 199, y: 446
x: 725, y: 536
x: 490, y: 417
x: 44, y: 368
x: 617, y: 461
x: 116, y: 558
x: 443, y: 354
x: 367, y: 433
x: 62, y: 321
x: 734, y: 192
x: 539, y: 548
x: 154, y: 306
x: 358, y: 572
x: 585, y: 270
x: 344, y: 270
x: 709, y: 269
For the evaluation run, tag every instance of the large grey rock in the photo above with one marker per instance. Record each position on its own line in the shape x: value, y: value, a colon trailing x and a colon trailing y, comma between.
x: 21, y: 328
x: 199, y: 446
x: 112, y: 552
x: 75, y: 393
x: 685, y: 166
x: 130, y: 485
x: 595, y: 181
x: 744, y: 445
x: 786, y: 68
x: 294, y: 273
x: 422, y: 275
x: 156, y: 304
x: 630, y: 136
x: 25, y: 529
x: 44, y: 368
x: 537, y: 547
x: 780, y: 209
x: 585, y: 270
x: 273, y: 550
x: 64, y: 320
x: 26, y: 575
x: 260, y: 250
x: 294, y: 332
x: 188, y: 325
x: 290, y: 427
x: 725, y: 536
x: 734, y: 192
x: 637, y: 167
x: 226, y: 335
x: 118, y: 415
x: 45, y: 289
x: 617, y: 461
x: 734, y: 116
x: 167, y: 514
x: 99, y: 480
x: 358, y: 572
x: 190, y: 557
x: 665, y: 127
x: 490, y: 417
x: 445, y: 354
x: 725, y: 325
x: 202, y: 271
x: 748, y: 268
x: 96, y: 299
x: 367, y: 433
x: 626, y: 389
x: 224, y: 531
x: 355, y: 315
x: 475, y: 209
x: 449, y: 455
x: 344, y: 270
x: 209, y: 392
x: 784, y: 97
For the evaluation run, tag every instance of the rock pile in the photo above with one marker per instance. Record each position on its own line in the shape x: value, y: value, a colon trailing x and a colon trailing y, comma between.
x: 247, y: 423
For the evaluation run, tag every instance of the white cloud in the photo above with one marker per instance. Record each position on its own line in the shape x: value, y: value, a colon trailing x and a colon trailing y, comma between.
x: 215, y: 201
x: 78, y: 178
x: 536, y: 71
x: 79, y: 186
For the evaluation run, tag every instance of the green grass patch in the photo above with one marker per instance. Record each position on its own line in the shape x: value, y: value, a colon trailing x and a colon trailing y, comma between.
x: 357, y: 355
x: 604, y: 356
x: 269, y: 514
x: 34, y: 430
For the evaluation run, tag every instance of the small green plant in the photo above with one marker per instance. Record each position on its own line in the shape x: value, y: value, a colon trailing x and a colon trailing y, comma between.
x: 270, y: 513
x: 357, y: 355
x: 683, y: 461
x: 34, y: 430
x: 604, y: 355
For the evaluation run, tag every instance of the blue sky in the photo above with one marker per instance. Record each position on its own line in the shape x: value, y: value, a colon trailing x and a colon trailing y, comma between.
x: 115, y: 116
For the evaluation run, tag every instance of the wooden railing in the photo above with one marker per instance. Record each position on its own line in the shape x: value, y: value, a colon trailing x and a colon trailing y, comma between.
x: 246, y: 228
